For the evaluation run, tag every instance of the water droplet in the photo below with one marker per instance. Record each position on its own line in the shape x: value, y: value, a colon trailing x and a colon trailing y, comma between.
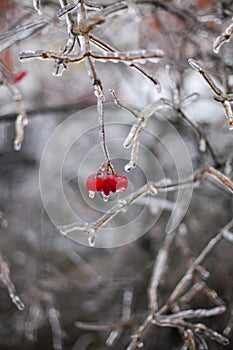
x: 91, y: 194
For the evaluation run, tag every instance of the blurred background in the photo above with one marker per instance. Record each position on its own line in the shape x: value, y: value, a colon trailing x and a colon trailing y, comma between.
x: 62, y: 282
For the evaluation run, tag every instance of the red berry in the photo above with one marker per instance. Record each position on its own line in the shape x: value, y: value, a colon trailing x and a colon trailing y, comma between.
x: 106, y: 183
x: 19, y: 76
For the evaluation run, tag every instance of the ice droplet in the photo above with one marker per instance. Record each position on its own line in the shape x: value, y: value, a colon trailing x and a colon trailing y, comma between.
x: 230, y: 126
x: 129, y: 166
x: 91, y: 194
x: 202, y: 145
x: 17, y: 146
x: 105, y: 198
x: 140, y: 344
x: 91, y: 241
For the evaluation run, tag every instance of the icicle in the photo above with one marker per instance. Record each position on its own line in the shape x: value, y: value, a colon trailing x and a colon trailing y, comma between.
x: 133, y: 157
x: 37, y: 6
x: 131, y: 136
x: 19, y: 128
x: 59, y: 69
x: 98, y: 92
x: 202, y: 145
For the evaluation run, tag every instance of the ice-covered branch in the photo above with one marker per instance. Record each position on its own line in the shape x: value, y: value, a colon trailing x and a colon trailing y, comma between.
x: 225, y: 99
x: 5, y: 279
x: 176, y: 320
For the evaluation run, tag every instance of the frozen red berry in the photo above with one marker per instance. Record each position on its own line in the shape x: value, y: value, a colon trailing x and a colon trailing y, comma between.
x: 19, y: 76
x: 106, y: 183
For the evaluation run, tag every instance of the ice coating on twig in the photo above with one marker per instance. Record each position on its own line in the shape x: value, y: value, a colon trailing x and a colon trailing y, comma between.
x: 20, y: 123
x: 37, y: 6
x: 20, y: 32
x: 194, y: 64
x: 202, y: 145
x: 5, y: 279
x: 223, y: 38
x: 221, y: 178
x: 227, y: 106
x: 220, y: 96
x: 165, y: 185
x: 80, y: 22
x: 21, y: 119
x: 176, y: 317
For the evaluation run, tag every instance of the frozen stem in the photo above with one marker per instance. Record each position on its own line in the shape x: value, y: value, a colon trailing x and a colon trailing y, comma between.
x: 5, y: 279
x: 221, y: 97
x: 21, y: 120
x: 224, y: 37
